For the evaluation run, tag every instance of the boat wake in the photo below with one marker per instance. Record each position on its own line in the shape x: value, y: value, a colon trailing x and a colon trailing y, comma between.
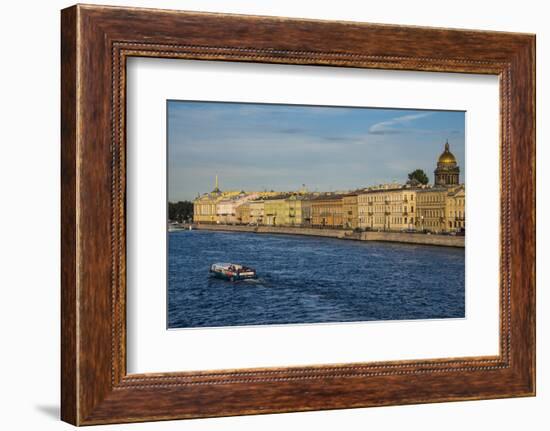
x: 252, y: 281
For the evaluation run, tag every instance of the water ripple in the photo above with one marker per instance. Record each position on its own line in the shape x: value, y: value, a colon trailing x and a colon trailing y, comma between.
x: 309, y: 280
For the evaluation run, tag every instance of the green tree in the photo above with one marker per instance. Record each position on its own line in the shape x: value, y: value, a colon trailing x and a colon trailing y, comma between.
x: 419, y: 175
x: 180, y: 211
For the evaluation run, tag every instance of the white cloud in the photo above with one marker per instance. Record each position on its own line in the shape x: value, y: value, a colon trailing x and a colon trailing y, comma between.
x: 395, y: 125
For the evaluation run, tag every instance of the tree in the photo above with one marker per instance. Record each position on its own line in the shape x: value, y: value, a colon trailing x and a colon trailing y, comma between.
x: 419, y: 175
x: 180, y: 211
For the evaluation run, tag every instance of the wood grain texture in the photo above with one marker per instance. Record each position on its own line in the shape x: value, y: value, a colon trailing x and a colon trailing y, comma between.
x: 69, y: 366
x: 96, y: 41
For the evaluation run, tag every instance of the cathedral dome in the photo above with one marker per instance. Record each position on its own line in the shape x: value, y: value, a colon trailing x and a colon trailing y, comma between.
x: 447, y: 158
x: 447, y: 172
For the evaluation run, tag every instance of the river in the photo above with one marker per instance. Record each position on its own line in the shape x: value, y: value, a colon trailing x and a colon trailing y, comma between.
x: 309, y: 280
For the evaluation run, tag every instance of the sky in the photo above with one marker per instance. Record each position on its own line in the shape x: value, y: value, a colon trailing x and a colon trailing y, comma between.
x: 256, y: 147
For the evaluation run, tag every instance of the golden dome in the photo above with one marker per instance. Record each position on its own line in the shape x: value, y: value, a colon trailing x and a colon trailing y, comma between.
x: 447, y: 158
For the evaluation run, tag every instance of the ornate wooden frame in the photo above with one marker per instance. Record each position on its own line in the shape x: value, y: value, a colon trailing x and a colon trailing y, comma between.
x: 95, y: 42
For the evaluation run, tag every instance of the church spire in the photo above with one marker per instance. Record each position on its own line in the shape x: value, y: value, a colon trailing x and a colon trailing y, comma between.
x: 216, y: 188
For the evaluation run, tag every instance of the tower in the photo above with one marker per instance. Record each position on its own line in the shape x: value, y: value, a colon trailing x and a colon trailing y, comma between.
x: 447, y: 172
x: 216, y: 188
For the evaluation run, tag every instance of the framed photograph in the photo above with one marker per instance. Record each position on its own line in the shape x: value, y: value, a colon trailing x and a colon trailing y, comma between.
x: 263, y: 214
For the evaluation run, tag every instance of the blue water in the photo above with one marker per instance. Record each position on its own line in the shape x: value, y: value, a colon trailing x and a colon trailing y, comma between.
x: 309, y: 280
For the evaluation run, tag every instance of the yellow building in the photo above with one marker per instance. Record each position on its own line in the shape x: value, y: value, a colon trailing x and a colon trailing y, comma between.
x: 442, y: 208
x: 243, y: 213
x: 306, y: 211
x: 206, y: 207
x: 455, y: 209
x: 349, y: 211
x: 326, y: 211
x: 285, y: 211
x: 226, y: 208
x: 220, y: 207
x: 274, y: 211
x: 431, y: 209
x: 387, y: 208
x: 256, y: 215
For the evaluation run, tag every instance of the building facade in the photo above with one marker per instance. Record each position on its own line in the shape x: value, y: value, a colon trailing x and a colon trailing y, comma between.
x: 225, y: 211
x: 204, y: 209
x: 256, y: 215
x: 289, y: 210
x: 455, y: 209
x: 441, y: 208
x: 350, y: 212
x: 388, y: 209
x: 242, y: 213
x: 431, y: 209
x: 326, y: 211
x: 276, y: 212
x: 306, y: 212
x: 220, y: 207
x: 226, y: 208
x: 205, y: 206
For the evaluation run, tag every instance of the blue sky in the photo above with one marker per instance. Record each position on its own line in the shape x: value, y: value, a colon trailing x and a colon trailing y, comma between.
x: 281, y: 147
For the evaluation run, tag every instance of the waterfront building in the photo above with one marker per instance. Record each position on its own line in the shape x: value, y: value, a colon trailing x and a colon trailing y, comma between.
x: 209, y: 207
x: 455, y: 209
x: 204, y: 206
x: 256, y: 215
x: 389, y: 207
x: 441, y: 208
x: 243, y: 213
x: 326, y: 211
x: 226, y: 209
x: 392, y: 209
x: 220, y: 207
x: 305, y: 203
x: 204, y: 209
x: 431, y: 209
x: 275, y: 211
x: 286, y: 210
x: 349, y: 211
x: 306, y: 211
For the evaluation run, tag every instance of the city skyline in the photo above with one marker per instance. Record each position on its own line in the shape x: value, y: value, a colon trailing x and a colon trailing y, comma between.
x: 282, y: 147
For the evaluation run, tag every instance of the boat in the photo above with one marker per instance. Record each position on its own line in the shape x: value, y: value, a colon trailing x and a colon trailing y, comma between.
x: 175, y: 227
x: 232, y: 271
